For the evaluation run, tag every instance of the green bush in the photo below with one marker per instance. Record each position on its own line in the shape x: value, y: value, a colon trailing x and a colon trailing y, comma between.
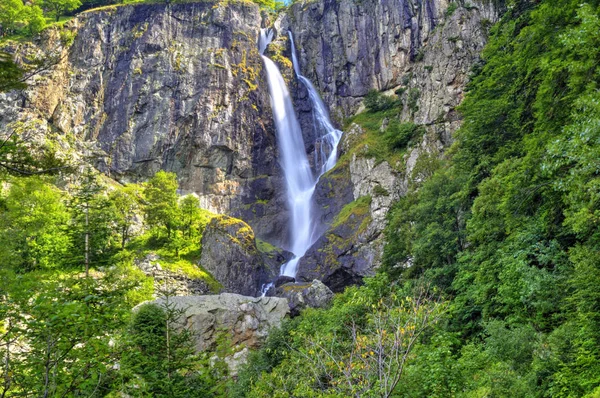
x: 399, y: 135
x: 452, y: 7
x: 377, y: 102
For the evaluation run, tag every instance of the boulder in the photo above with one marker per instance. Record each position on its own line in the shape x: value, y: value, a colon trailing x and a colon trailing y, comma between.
x: 304, y: 294
x: 230, y: 254
x: 246, y: 320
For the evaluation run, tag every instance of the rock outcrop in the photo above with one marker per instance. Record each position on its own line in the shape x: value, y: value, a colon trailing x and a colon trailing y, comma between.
x: 230, y: 254
x: 244, y: 322
x: 175, y: 282
x: 303, y: 295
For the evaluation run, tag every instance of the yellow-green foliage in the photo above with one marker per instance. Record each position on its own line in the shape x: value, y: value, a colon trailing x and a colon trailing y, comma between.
x: 244, y: 235
x: 185, y: 262
x: 248, y: 73
x: 372, y: 143
x: 139, y: 30
x: 358, y: 208
x: 265, y: 247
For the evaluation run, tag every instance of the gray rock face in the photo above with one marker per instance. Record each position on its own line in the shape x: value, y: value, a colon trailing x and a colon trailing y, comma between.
x: 347, y: 48
x: 230, y: 254
x: 421, y: 54
x: 302, y: 295
x: 246, y: 321
x: 178, y: 87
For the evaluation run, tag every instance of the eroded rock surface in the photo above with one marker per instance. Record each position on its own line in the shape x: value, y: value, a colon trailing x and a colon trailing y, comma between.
x: 348, y: 48
x: 175, y: 282
x: 244, y: 321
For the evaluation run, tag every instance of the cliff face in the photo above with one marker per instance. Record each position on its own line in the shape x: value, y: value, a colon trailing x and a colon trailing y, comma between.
x: 177, y: 87
x: 420, y: 52
x: 349, y: 47
x: 181, y: 87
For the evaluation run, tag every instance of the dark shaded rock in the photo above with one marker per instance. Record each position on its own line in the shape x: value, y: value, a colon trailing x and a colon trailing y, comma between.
x: 273, y: 256
x: 302, y: 295
x: 230, y: 254
x: 337, y: 258
x: 333, y: 191
x: 282, y: 280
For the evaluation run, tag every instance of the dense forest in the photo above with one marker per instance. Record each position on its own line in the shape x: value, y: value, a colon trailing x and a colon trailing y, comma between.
x: 489, y: 280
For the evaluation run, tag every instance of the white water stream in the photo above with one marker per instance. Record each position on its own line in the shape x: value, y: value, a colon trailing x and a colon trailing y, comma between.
x: 300, y: 179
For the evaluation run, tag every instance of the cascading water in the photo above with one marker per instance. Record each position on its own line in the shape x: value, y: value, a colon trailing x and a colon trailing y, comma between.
x: 326, y: 154
x: 300, y: 180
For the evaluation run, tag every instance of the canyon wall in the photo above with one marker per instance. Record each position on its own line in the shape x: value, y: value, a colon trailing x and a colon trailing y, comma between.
x: 181, y: 87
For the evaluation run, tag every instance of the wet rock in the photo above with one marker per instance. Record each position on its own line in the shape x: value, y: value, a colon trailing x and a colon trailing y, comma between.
x: 344, y: 254
x: 282, y: 280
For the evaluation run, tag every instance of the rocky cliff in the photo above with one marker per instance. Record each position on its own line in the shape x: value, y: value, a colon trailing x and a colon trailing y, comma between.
x: 350, y: 47
x: 181, y: 87
x: 176, y: 87
x: 420, y: 52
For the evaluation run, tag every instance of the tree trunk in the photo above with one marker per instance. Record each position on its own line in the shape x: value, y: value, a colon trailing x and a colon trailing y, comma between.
x: 87, y: 241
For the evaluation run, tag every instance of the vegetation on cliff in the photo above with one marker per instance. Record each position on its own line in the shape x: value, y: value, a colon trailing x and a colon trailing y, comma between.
x: 505, y: 232
x: 68, y: 281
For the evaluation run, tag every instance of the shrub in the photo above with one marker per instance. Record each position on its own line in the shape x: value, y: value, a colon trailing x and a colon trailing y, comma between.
x: 399, y: 135
x: 376, y: 101
x: 451, y: 8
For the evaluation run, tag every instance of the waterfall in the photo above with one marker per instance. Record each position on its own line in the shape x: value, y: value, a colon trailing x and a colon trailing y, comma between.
x: 300, y: 179
x: 326, y: 153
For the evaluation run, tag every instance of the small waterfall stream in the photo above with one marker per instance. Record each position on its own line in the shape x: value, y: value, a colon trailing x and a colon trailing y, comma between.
x: 300, y: 179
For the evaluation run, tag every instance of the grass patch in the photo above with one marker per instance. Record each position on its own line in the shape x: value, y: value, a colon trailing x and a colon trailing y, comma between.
x: 52, y: 22
x: 359, y: 208
x: 452, y: 7
x: 265, y: 247
x: 389, y: 145
x: 185, y: 262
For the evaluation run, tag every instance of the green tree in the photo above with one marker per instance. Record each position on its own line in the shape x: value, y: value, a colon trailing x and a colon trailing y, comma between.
x: 57, y: 338
x: 61, y: 7
x: 158, y: 355
x: 91, y: 220
x: 33, y: 226
x: 126, y: 203
x: 34, y: 16
x: 191, y: 215
x: 11, y: 12
x: 161, y: 206
x: 376, y: 101
x: 11, y: 75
